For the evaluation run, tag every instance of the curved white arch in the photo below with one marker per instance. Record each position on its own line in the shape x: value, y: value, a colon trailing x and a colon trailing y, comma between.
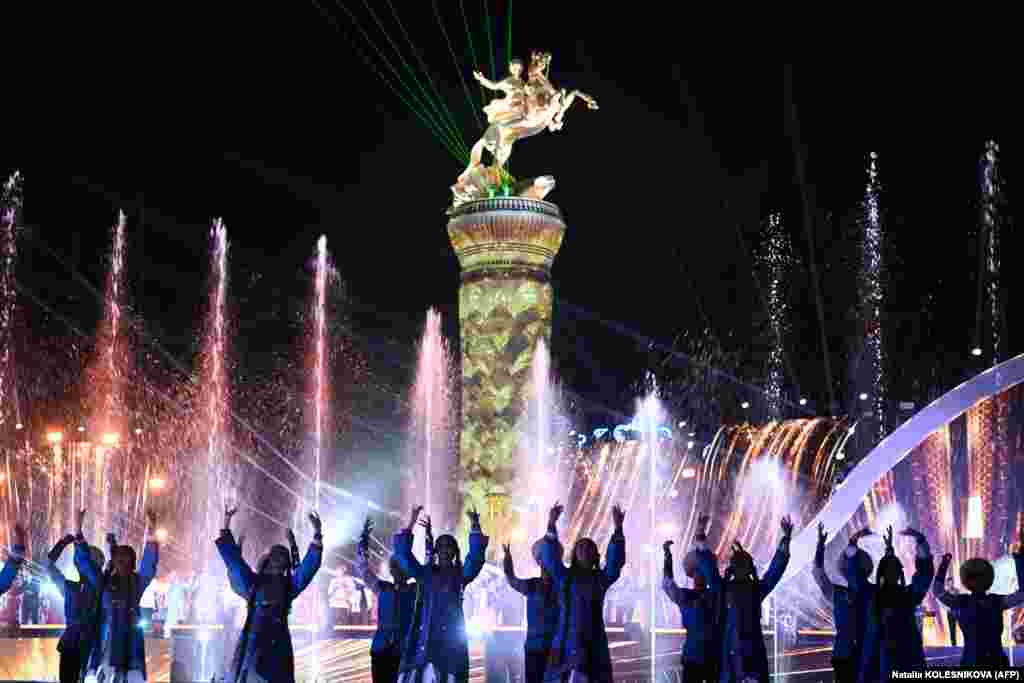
x: 893, y: 448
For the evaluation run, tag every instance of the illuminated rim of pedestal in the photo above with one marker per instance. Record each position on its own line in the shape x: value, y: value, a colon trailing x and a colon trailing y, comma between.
x: 894, y: 448
x: 512, y: 205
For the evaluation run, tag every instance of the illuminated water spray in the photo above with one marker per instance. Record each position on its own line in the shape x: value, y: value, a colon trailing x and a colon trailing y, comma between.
x: 873, y: 293
x: 320, y: 399
x: 214, y: 391
x: 431, y: 408
x: 650, y: 417
x: 991, y: 224
x: 10, y: 203
x: 777, y: 259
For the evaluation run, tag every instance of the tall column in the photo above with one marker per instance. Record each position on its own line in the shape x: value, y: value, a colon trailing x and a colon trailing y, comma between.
x: 505, y: 247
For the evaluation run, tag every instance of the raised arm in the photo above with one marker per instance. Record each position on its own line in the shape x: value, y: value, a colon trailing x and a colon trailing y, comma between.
x: 403, y: 548
x: 1014, y: 599
x: 486, y: 82
x: 858, y: 580
x: 779, y: 563
x: 477, y: 552
x: 87, y: 569
x: 615, y: 557
x: 551, y: 549
x: 293, y: 547
x: 310, y: 564
x: 240, y: 575
x: 675, y: 593
x: 51, y: 560
x: 942, y: 594
x: 924, y: 570
x: 363, y: 570
x: 15, y: 559
x: 820, y: 577
x: 150, y: 554
x: 515, y: 583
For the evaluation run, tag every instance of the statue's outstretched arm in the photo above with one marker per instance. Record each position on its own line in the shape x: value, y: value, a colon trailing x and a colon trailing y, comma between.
x: 486, y: 82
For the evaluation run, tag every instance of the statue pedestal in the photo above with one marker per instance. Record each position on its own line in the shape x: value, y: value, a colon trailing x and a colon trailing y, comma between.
x: 505, y: 247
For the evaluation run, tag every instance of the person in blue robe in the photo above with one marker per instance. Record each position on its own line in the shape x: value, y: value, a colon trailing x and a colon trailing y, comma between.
x: 541, y: 612
x: 15, y: 559
x: 80, y: 602
x: 980, y: 613
x: 396, y: 600
x: 698, y: 607
x: 436, y: 649
x: 892, y: 640
x: 744, y: 655
x: 118, y: 652
x: 579, y: 651
x: 849, y: 612
x: 264, y: 653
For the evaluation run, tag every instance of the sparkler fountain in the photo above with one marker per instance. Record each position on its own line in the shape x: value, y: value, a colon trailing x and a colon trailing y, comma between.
x: 431, y: 428
x: 873, y: 294
x: 10, y: 202
x: 777, y: 260
x: 214, y: 398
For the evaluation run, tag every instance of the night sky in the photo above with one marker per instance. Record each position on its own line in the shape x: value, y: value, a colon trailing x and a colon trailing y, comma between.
x: 665, y: 189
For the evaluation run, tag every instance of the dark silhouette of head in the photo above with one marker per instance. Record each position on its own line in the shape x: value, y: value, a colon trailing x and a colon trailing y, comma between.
x: 98, y: 558
x: 446, y: 550
x: 691, y: 566
x: 977, y: 575
x: 866, y: 564
x: 123, y: 560
x: 890, y: 572
x: 536, y: 552
x: 741, y: 566
x: 585, y: 554
x: 278, y: 560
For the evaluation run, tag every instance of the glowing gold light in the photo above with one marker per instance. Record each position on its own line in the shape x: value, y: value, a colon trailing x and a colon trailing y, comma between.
x: 156, y: 484
x: 110, y: 439
x: 689, y: 472
x: 161, y: 534
x: 55, y: 437
x: 975, y: 524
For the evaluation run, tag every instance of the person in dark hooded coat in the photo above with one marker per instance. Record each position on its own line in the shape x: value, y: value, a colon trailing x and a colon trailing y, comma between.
x: 396, y: 601
x: 892, y: 640
x: 849, y: 612
x: 75, y: 643
x: 980, y: 613
x: 264, y: 652
x: 744, y: 655
x: 119, y: 650
x: 699, y: 607
x: 436, y: 649
x: 14, y: 561
x: 541, y: 613
x: 579, y: 651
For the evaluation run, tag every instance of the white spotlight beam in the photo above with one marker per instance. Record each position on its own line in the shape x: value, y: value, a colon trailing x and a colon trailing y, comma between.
x: 887, y: 454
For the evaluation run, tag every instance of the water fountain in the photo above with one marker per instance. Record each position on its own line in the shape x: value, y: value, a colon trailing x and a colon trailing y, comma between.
x: 430, y: 437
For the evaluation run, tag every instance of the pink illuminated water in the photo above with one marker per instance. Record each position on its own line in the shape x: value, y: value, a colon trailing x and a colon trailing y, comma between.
x: 214, y: 389
x: 432, y: 420
x: 320, y: 400
x: 9, y: 201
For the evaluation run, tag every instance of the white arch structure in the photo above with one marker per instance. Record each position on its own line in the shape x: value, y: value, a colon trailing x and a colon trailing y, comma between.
x: 893, y: 448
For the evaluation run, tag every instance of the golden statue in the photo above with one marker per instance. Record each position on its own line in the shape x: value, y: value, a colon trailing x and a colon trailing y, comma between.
x: 526, y: 110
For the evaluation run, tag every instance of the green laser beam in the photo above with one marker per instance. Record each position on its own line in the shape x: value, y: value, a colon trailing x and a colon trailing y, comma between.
x: 490, y: 42
x: 414, y: 109
x: 426, y: 97
x: 508, y: 35
x: 430, y: 80
x: 458, y: 68
x: 472, y: 49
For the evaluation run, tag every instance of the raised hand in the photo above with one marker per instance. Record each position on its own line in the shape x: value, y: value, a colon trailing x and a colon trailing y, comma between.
x: 555, y: 513
x: 364, y: 537
x: 474, y: 518
x: 241, y: 543
x: 414, y: 516
x: 702, y: 523
x: 427, y: 526
x: 508, y: 551
x: 822, y: 536
x: 67, y: 540
x: 81, y: 519
x: 618, y: 516
x: 947, y: 558
x: 667, y: 546
x: 229, y: 512
x: 318, y: 526
x: 889, y: 550
x: 291, y: 537
x: 787, y: 527
x: 151, y: 517
x: 20, y: 535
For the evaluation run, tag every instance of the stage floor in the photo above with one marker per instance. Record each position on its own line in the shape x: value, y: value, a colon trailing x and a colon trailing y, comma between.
x: 196, y: 656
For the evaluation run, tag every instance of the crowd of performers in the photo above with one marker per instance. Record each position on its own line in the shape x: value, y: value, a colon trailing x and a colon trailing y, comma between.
x: 421, y: 632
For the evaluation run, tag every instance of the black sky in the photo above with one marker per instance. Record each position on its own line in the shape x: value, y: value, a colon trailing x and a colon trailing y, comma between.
x: 664, y: 188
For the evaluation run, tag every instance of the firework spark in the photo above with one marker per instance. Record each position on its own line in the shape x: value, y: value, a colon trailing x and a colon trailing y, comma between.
x: 873, y: 292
